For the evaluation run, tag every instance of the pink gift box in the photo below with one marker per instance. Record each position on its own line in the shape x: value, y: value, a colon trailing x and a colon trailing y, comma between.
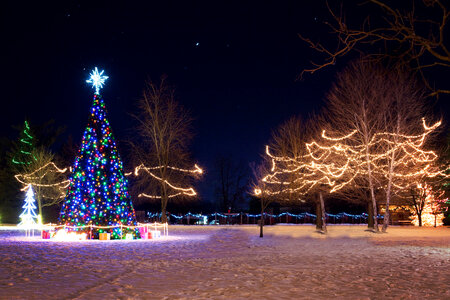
x: 143, y: 231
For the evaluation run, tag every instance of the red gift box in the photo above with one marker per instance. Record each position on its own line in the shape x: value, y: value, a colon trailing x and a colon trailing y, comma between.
x: 146, y: 236
x: 45, y: 235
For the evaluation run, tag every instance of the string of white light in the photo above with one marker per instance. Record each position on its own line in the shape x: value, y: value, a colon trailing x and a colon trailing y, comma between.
x: 35, y: 180
x: 340, y: 162
x: 190, y: 192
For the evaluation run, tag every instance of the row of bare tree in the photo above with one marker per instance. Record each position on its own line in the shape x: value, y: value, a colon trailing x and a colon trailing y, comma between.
x: 370, y: 144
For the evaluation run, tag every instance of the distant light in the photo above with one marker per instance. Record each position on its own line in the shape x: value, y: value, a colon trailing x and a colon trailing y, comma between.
x: 97, y: 79
x: 197, y: 44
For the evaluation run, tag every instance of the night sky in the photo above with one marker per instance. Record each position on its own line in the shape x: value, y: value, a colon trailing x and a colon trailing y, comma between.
x: 234, y: 66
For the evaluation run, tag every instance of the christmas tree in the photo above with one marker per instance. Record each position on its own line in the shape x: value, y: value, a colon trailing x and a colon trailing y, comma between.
x: 28, y: 216
x: 24, y: 155
x: 98, y: 191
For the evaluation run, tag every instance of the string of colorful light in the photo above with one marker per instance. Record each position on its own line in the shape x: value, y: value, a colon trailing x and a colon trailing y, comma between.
x: 232, y: 215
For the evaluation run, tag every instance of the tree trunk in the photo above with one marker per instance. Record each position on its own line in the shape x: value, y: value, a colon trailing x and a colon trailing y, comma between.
x: 369, y: 215
x: 318, y: 215
x: 388, y: 193
x: 164, y: 200
x: 372, y: 191
x: 417, y: 209
x: 435, y: 220
x: 261, y: 221
x: 39, y: 201
x: 324, y: 216
x: 163, y: 214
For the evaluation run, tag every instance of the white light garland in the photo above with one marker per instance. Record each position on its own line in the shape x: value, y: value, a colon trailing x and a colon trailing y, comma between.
x: 337, y: 165
x: 32, y: 178
x: 190, y: 192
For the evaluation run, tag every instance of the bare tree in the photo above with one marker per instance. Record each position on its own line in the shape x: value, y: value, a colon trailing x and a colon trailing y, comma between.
x: 293, y: 175
x: 417, y: 201
x: 164, y: 132
x: 382, y: 135
x: 415, y: 39
x: 405, y: 107
x: 232, y: 182
x: 261, y: 191
x: 431, y: 204
x: 355, y: 105
x: 49, y: 182
x: 278, y: 178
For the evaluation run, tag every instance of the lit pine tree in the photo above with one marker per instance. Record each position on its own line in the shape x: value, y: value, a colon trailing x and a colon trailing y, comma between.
x: 98, y: 191
x: 24, y: 156
x: 28, y: 216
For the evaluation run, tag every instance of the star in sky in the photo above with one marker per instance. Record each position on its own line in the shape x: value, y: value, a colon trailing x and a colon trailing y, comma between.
x: 97, y: 79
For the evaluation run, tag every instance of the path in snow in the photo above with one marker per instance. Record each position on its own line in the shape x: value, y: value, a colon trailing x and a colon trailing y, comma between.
x: 232, y: 262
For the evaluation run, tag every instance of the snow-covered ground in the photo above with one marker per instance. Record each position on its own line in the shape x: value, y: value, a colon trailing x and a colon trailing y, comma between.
x: 232, y: 262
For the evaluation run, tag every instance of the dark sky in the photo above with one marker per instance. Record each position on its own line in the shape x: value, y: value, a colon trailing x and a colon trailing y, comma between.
x: 234, y: 65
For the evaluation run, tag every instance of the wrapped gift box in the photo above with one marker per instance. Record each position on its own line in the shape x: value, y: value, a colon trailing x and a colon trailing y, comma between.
x: 46, y: 234
x: 143, y: 231
x: 104, y: 236
x: 155, y: 234
x: 146, y: 236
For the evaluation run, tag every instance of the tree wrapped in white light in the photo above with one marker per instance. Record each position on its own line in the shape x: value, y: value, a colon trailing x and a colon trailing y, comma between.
x: 28, y: 217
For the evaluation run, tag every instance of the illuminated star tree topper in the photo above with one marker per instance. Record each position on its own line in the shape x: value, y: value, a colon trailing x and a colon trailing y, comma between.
x: 97, y: 79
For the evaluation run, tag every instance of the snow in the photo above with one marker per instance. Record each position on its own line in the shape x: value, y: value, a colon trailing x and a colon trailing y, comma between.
x: 232, y: 262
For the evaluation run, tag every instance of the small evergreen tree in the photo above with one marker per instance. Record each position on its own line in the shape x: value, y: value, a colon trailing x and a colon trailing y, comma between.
x: 23, y: 156
x: 28, y: 216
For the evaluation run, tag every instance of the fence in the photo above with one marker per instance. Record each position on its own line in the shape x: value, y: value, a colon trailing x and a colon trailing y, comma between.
x: 269, y: 219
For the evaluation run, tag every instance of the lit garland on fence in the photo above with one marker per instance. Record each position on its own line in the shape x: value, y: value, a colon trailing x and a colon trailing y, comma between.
x: 234, y: 215
x: 51, y: 226
x: 77, y: 233
x: 190, y: 192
